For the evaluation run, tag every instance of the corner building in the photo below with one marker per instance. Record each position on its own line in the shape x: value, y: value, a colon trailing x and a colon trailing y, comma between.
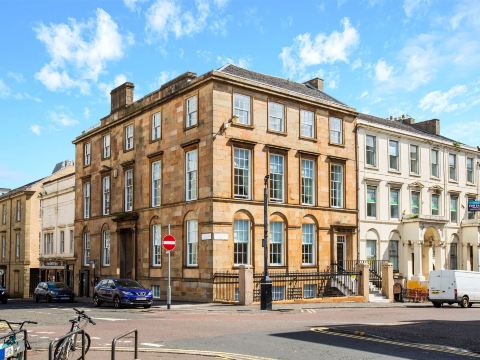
x: 194, y: 155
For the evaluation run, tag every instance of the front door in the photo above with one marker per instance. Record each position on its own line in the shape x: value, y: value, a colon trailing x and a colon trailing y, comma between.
x: 126, y: 254
x: 371, y: 250
x: 84, y: 286
x: 341, y: 251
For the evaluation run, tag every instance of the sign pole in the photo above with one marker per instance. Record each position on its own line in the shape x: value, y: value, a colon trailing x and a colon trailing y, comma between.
x: 169, y: 290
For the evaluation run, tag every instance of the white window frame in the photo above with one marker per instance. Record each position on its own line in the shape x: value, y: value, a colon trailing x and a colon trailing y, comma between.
x: 17, y: 245
x: 106, y: 247
x: 308, y: 181
x: 87, y: 154
x: 106, y: 146
x: 419, y: 202
x: 156, y: 126
x: 106, y: 195
x: 18, y: 210
x: 191, y: 116
x: 308, y: 244
x: 437, y: 164
x: 241, y: 108
x: 129, y: 137
x: 277, y: 240
x: 241, y: 242
x: 397, y: 156
x: 4, y: 214
x: 4, y: 246
x: 192, y: 243
x: 156, y: 189
x: 156, y: 291
x: 62, y: 242
x: 277, y: 177
x: 414, y: 163
x: 307, y: 124
x: 156, y: 245
x: 438, y: 204
x: 390, y: 191
x: 191, y: 175
x: 455, y: 167
x: 276, y: 117
x: 470, y: 171
x: 242, y: 171
x: 72, y: 243
x: 373, y: 150
x: 128, y: 190
x: 86, y: 199
x: 337, y: 188
x: 86, y: 248
x: 453, y: 196
x: 335, y: 133
x: 375, y: 189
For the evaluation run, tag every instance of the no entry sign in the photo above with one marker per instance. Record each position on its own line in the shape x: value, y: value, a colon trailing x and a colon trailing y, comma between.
x: 169, y: 242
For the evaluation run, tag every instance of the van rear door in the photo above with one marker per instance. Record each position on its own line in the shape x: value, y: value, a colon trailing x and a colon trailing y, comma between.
x: 435, y: 286
x: 448, y: 285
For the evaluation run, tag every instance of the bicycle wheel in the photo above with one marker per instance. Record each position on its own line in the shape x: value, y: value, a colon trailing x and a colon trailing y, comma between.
x: 71, y: 348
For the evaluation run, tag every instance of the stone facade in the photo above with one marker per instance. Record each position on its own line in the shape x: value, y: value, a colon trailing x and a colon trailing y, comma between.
x: 57, y: 204
x: 421, y: 229
x: 20, y: 229
x: 207, y: 222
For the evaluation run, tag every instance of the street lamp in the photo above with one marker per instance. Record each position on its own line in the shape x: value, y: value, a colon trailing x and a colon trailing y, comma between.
x: 92, y: 264
x: 266, y: 284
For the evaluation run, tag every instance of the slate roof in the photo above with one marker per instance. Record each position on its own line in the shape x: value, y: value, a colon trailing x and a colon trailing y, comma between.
x: 401, y: 126
x: 280, y: 83
x: 19, y: 189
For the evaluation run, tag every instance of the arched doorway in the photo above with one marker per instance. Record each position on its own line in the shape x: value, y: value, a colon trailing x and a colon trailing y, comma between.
x: 431, y: 251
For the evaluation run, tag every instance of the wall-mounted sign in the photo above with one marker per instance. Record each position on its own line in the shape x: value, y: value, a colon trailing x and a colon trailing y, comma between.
x: 473, y: 205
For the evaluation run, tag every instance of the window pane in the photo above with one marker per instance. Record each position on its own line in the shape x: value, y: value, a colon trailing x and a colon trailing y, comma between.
x: 393, y: 154
x: 371, y: 150
x: 276, y: 117
x: 191, y: 175
x: 156, y: 245
x: 415, y: 202
x: 276, y: 177
x: 393, y: 254
x: 241, y: 108
x: 308, y: 244
x: 191, y: 119
x: 307, y: 128
x: 394, y: 205
x: 336, y: 186
x: 308, y: 181
x: 192, y: 242
x: 276, y: 243
x: 336, y: 136
x: 156, y: 120
x: 129, y: 190
x: 241, y: 173
x: 435, y: 204
x: 241, y: 240
x: 371, y: 201
x: 156, y: 183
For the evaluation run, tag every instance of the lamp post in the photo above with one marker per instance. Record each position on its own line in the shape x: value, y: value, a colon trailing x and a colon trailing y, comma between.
x: 266, y: 284
x: 92, y: 264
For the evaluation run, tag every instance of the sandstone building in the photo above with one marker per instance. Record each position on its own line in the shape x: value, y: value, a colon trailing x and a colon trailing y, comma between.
x: 414, y: 188
x: 194, y: 155
x: 20, y: 229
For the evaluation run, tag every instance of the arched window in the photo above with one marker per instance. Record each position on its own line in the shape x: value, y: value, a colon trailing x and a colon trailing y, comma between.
x: 393, y: 250
x: 242, y: 230
x: 309, y: 231
x: 277, y: 241
x: 371, y: 245
x: 86, y: 248
x: 106, y: 247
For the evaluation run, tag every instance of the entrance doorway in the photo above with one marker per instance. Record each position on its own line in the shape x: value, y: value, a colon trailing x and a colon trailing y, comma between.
x: 127, y: 254
x: 341, y: 251
x: 84, y: 289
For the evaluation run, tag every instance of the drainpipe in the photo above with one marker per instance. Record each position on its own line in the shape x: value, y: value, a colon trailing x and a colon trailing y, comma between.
x: 357, y: 180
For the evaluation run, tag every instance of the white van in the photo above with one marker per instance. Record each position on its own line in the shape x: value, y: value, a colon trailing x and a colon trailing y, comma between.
x: 454, y: 286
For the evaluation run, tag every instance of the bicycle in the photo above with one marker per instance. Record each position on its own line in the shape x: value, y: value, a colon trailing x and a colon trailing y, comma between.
x: 13, y: 347
x: 67, y: 347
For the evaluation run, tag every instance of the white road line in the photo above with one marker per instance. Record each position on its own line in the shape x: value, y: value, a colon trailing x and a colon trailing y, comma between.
x: 32, y: 335
x: 44, y: 332
x: 95, y: 338
x: 152, y: 345
x: 44, y: 337
x: 108, y: 319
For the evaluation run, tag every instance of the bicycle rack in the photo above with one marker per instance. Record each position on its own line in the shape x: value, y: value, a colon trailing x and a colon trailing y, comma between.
x: 114, y: 343
x: 57, y: 340
x: 16, y: 350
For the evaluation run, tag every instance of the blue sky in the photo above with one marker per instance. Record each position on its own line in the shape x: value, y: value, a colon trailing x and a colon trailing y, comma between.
x: 60, y: 59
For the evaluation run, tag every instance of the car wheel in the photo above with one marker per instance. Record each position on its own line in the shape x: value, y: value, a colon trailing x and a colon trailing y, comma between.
x: 116, y: 302
x: 147, y: 306
x: 37, y: 299
x: 465, y: 302
x: 96, y: 301
x: 436, y: 304
x: 470, y: 304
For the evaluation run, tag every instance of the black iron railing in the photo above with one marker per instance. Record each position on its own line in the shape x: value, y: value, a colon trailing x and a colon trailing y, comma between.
x: 225, y: 287
x: 375, y: 269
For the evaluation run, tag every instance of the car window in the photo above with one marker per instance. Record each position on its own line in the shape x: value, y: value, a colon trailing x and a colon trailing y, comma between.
x: 110, y: 284
x: 56, y: 285
x: 102, y: 283
x: 128, y: 284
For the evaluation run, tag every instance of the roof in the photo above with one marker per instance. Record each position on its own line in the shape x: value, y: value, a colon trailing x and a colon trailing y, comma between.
x: 401, y: 126
x: 19, y: 189
x: 280, y: 83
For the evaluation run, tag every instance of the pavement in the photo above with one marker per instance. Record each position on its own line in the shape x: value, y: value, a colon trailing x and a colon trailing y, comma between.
x: 290, y: 331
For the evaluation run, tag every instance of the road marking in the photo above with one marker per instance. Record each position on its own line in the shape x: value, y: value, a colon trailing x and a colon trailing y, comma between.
x: 44, y: 332
x: 108, y: 319
x: 310, y: 311
x: 152, y: 345
x: 95, y: 338
x: 44, y: 337
x: 361, y: 335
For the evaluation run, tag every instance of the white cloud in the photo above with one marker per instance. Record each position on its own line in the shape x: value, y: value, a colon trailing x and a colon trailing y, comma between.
x: 323, y: 49
x: 357, y: 64
x: 364, y: 95
x: 18, y: 77
x: 167, y: 16
x: 35, y: 129
x: 130, y: 4
x: 107, y: 87
x: 413, y: 7
x: 79, y: 51
x: 86, y: 113
x: 383, y: 71
x: 164, y: 77
x: 243, y: 62
x: 440, y: 102
x: 4, y: 90
x: 465, y: 131
x: 62, y: 117
x: 465, y: 13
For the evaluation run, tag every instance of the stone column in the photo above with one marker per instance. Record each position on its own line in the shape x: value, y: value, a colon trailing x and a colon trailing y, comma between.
x: 363, y: 281
x: 387, y: 281
x: 245, y: 285
x: 417, y: 250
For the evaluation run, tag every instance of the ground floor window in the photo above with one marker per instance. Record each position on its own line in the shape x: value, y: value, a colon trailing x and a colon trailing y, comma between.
x: 278, y: 293
x: 393, y: 254
x: 156, y: 291
x: 309, y: 291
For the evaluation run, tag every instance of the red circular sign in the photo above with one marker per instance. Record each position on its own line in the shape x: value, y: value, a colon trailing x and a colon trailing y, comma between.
x: 169, y: 242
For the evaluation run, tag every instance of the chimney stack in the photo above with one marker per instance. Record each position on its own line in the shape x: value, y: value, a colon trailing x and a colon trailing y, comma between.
x: 121, y: 96
x: 317, y: 83
x: 431, y: 126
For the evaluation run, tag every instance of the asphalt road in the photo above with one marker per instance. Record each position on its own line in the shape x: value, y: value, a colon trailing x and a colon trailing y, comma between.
x: 348, y: 331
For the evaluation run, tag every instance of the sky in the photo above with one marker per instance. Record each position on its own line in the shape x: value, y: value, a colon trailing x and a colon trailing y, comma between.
x: 61, y: 58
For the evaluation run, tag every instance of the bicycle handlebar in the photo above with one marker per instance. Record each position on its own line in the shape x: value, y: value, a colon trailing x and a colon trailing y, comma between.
x: 81, y: 313
x: 21, y: 324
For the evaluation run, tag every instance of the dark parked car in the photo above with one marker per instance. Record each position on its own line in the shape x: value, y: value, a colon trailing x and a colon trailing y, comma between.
x: 53, y: 291
x: 3, y: 295
x: 121, y: 292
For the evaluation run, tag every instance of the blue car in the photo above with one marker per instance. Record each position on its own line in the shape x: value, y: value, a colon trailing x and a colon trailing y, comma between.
x: 122, y: 292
